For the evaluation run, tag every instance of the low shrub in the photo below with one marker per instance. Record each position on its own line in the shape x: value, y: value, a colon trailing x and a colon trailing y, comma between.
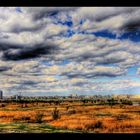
x: 22, y: 126
x: 25, y: 118
x: 127, y: 102
x: 70, y: 112
x: 2, y: 105
x: 39, y: 117
x: 55, y: 114
x: 96, y: 125
x: 67, y: 107
x: 121, y: 106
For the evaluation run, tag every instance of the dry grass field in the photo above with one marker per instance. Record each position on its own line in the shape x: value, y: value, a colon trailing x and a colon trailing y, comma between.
x: 69, y: 117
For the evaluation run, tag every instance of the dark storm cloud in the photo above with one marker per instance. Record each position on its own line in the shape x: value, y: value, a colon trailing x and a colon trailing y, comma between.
x: 17, y: 28
x: 4, y: 68
x: 90, y: 75
x: 24, y: 83
x: 29, y: 83
x: 80, y: 84
x: 114, y: 12
x: 7, y: 46
x: 133, y: 25
x: 41, y: 12
x: 44, y: 14
x: 28, y: 52
x: 4, y: 36
x: 111, y: 60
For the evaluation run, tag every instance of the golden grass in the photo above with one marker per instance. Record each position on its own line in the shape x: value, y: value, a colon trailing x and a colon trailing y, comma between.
x: 101, y: 118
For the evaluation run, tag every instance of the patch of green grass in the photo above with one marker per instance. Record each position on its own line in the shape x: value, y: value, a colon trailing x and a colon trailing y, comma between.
x: 52, y: 129
x: 2, y: 125
x: 32, y: 128
x: 22, y: 126
x: 47, y: 126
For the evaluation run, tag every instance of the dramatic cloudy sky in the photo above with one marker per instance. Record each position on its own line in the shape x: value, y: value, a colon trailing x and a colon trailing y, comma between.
x: 64, y: 50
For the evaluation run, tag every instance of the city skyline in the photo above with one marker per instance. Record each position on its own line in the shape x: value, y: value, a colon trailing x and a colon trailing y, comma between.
x: 48, y: 51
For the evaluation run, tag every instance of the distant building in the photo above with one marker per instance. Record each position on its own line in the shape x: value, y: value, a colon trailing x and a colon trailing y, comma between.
x: 1, y: 94
x: 17, y: 97
x: 73, y: 95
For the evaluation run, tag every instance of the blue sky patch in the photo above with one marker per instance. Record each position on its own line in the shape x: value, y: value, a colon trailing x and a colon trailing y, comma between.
x: 105, y: 33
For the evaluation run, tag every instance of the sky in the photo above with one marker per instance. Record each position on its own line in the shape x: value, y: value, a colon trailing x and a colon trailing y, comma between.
x: 48, y: 51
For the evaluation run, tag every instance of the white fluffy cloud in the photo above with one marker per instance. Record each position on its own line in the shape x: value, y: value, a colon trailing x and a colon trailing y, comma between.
x: 35, y: 42
x: 115, y: 19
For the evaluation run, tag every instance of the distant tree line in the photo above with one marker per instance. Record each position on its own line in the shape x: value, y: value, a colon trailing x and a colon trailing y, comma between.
x: 110, y: 102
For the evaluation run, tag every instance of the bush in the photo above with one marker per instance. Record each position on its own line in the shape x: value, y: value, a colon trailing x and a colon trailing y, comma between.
x: 70, y: 112
x: 98, y: 124
x: 67, y: 107
x: 22, y: 126
x: 39, y: 117
x: 84, y: 101
x: 89, y: 127
x: 121, y: 105
x: 25, y: 118
x: 55, y: 114
x: 101, y: 103
x: 130, y: 103
x: 2, y: 105
x: 111, y: 102
x: 127, y: 102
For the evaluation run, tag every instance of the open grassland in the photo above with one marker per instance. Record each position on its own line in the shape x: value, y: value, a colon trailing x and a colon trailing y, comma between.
x: 69, y: 117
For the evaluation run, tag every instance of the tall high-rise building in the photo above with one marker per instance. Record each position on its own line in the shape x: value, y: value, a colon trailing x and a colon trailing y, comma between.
x: 1, y: 94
